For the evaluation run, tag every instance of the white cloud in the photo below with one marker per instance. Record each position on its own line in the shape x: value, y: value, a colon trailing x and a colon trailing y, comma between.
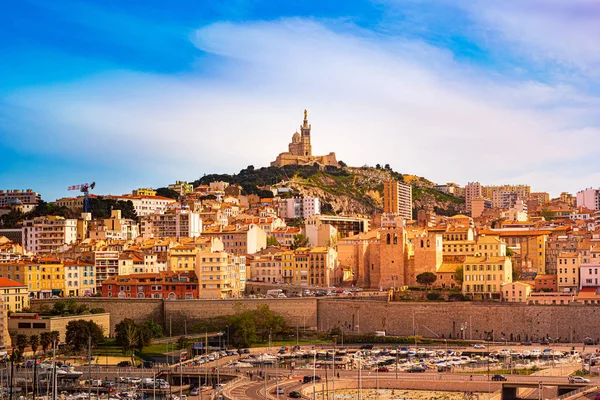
x: 372, y: 99
x: 565, y: 32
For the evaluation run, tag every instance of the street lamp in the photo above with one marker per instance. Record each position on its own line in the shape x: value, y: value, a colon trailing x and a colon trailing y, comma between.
x: 227, y: 327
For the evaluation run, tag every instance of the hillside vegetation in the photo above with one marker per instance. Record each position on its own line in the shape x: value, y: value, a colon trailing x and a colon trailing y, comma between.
x: 342, y: 191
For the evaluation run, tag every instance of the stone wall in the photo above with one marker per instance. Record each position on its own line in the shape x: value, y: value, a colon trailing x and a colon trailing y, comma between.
x: 301, y: 312
x: 139, y: 310
x: 510, y: 321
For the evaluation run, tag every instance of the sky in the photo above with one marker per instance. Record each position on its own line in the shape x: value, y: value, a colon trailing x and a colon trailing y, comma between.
x: 136, y: 94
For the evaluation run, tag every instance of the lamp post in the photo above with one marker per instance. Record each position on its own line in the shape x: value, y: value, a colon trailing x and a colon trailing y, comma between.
x: 333, y: 379
x: 227, y: 327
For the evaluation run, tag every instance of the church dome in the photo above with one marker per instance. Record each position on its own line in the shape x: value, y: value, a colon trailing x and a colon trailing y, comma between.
x: 296, y: 138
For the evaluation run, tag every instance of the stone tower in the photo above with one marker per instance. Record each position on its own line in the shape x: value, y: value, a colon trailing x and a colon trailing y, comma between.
x: 305, y: 134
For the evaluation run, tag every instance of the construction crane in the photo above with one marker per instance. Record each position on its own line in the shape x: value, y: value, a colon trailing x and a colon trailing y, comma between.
x: 85, y: 189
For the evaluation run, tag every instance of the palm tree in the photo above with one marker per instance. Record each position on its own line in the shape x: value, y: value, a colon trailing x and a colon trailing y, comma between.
x: 21, y: 343
x: 34, y: 342
x: 45, y: 341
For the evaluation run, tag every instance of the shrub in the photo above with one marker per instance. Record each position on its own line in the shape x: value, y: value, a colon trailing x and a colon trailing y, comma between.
x: 434, y: 296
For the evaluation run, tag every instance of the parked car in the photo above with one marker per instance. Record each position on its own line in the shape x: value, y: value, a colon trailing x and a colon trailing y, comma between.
x: 498, y: 377
x: 479, y: 346
x: 295, y: 395
x: 310, y: 378
x: 416, y: 368
x: 195, y: 391
x: 383, y: 369
x: 597, y: 396
x: 124, y: 364
x: 579, y: 379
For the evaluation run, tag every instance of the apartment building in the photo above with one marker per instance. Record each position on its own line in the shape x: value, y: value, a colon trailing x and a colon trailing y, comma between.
x: 146, y: 205
x: 397, y: 199
x: 220, y: 274
x: 299, y: 207
x: 346, y: 226
x: 567, y: 271
x: 516, y: 292
x: 473, y: 190
x: 266, y: 266
x: 115, y: 227
x: 322, y: 264
x: 106, y: 264
x: 484, y: 276
x: 240, y: 240
x: 175, y: 223
x: 172, y: 285
x: 43, y: 235
x: 11, y: 197
x: 589, y: 198
x: 80, y: 278
x: 15, y: 295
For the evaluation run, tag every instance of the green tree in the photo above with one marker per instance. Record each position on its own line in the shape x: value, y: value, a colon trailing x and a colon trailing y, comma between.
x: 426, y: 278
x: 268, y: 323
x: 299, y: 241
x: 21, y: 343
x: 45, y: 341
x: 34, y: 342
x: 181, y: 343
x: 155, y: 329
x: 243, y: 329
x: 59, y: 308
x: 54, y: 337
x: 272, y: 241
x: 459, y: 275
x: 510, y: 252
x: 79, y: 331
x: 127, y: 335
x: 166, y: 192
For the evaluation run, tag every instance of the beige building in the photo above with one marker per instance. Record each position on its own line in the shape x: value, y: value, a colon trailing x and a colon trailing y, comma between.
x: 115, y: 227
x: 484, y: 276
x: 34, y: 324
x: 266, y: 266
x: 322, y: 264
x: 516, y: 292
x: 397, y: 199
x: 567, y: 271
x: 241, y: 240
x: 300, y: 150
x: 220, y: 275
x: 15, y: 295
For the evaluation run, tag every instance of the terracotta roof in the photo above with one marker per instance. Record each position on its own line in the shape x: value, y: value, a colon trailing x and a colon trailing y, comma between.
x: 5, y: 282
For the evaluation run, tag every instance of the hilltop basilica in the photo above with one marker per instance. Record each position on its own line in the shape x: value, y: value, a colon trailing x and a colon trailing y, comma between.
x: 300, y: 150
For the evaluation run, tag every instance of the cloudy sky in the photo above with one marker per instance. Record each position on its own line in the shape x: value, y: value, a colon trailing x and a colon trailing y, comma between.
x: 135, y: 94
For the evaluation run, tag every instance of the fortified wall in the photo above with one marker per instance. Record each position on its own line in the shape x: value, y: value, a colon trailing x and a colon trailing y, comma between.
x: 301, y: 312
x: 478, y: 321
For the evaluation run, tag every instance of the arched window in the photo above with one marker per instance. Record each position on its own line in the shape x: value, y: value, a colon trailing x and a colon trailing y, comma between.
x: 395, y: 238
x: 427, y: 242
x: 389, y: 238
x: 421, y: 243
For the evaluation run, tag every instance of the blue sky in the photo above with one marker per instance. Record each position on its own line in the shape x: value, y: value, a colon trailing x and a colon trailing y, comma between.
x: 132, y: 94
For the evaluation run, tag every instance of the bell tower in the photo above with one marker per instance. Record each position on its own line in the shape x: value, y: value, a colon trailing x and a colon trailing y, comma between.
x: 305, y: 134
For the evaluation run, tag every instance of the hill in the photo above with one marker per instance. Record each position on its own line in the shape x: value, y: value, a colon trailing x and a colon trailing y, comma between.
x: 342, y: 191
